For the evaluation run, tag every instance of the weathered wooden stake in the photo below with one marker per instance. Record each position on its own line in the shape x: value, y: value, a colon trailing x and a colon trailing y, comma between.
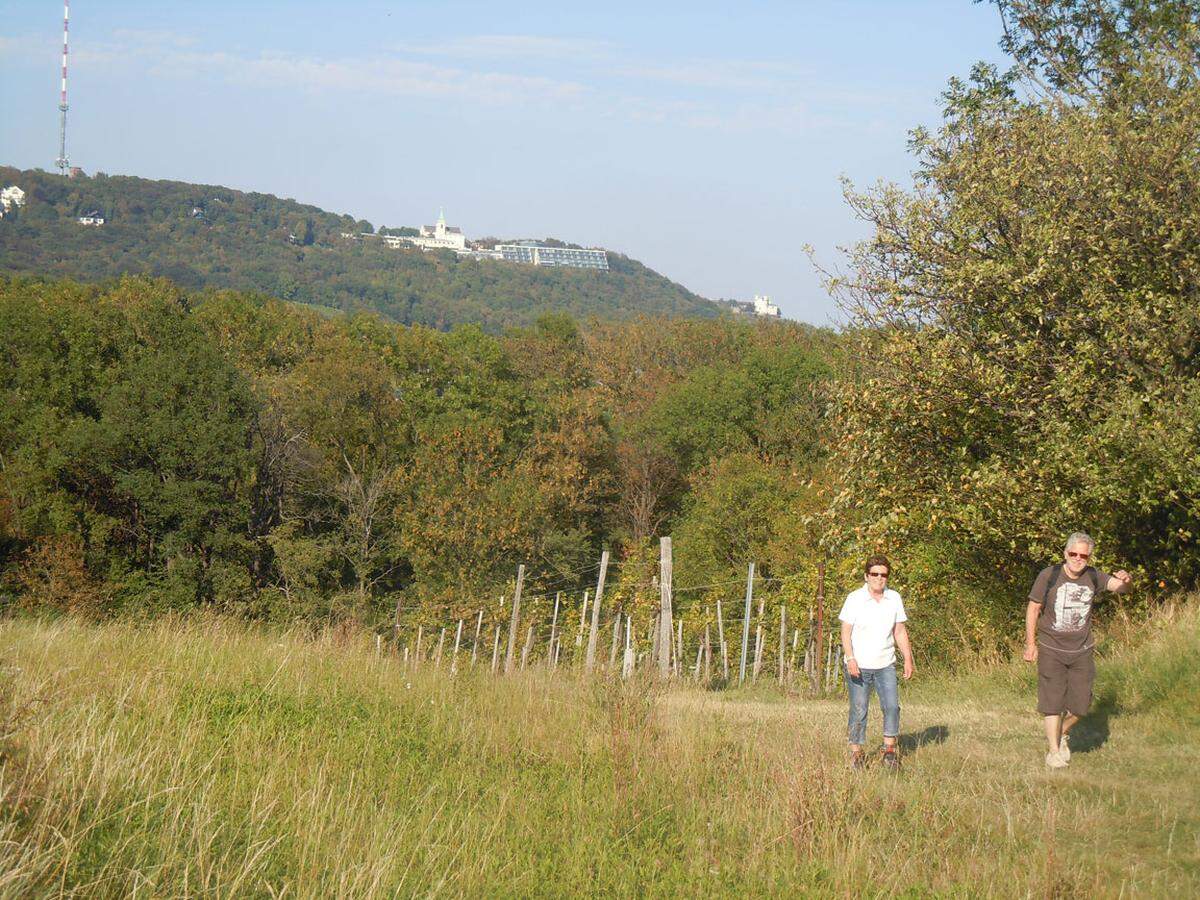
x: 782, y: 639
x: 553, y: 631
x: 746, y: 623
x: 759, y: 641
x: 707, y: 654
x: 758, y: 652
x: 437, y: 662
x: 579, y: 650
x: 828, y: 660
x: 616, y: 639
x: 721, y: 641
x: 496, y: 649
x: 820, y: 637
x: 417, y: 654
x: 514, y: 621
x: 679, y: 661
x: 665, y: 631
x: 378, y: 645
x: 528, y: 647
x: 457, y: 641
x: 475, y: 646
x: 627, y: 668
x: 599, y: 598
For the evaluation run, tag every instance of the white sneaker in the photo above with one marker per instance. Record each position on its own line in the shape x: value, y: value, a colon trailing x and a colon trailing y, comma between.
x: 1064, y: 749
x: 1054, y: 760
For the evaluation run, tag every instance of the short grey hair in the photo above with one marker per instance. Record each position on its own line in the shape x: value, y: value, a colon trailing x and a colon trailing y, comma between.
x: 1080, y: 537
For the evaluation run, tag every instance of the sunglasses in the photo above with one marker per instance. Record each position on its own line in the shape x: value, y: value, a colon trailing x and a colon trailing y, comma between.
x: 1074, y: 555
x: 877, y: 574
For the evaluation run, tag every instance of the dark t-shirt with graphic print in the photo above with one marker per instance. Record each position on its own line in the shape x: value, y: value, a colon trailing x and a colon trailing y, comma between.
x: 1065, y: 622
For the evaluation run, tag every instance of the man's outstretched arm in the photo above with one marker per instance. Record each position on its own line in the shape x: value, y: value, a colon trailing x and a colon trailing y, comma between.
x: 1119, y: 581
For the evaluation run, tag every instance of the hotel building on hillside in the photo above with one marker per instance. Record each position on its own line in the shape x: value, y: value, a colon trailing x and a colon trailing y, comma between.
x: 536, y: 254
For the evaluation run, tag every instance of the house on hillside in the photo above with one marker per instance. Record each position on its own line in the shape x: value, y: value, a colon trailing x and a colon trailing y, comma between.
x: 761, y: 305
x: 11, y: 198
x: 92, y: 218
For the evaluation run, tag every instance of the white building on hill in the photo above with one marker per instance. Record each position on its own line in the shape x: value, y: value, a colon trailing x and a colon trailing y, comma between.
x: 12, y: 197
x: 440, y: 236
x: 764, y: 307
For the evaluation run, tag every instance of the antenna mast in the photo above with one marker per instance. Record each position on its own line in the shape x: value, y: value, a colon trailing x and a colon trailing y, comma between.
x: 64, y: 164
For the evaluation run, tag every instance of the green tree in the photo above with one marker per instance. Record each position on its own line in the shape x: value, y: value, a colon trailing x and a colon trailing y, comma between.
x: 1028, y: 326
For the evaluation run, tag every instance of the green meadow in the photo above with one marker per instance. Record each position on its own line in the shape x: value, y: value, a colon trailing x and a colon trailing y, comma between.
x: 206, y: 757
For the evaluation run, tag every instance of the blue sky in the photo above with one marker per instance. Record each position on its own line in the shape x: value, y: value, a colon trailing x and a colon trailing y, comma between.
x: 704, y: 141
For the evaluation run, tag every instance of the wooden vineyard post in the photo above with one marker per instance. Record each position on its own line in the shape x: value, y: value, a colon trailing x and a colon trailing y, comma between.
x: 457, y: 641
x: 599, y: 598
x: 528, y: 647
x: 707, y: 653
x: 627, y: 667
x: 378, y: 645
x: 396, y: 620
x: 782, y: 640
x: 679, y: 647
x: 828, y: 661
x: 665, y: 631
x: 746, y: 623
x: 553, y: 631
x: 417, y: 653
x: 475, y: 646
x: 495, y: 649
x: 758, y: 642
x: 820, y: 641
x: 616, y: 640
x: 721, y: 641
x: 514, y: 621
x: 792, y: 661
x: 437, y: 662
x: 582, y: 625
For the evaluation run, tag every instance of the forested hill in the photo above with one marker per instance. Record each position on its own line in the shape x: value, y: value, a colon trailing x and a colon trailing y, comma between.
x: 204, y: 236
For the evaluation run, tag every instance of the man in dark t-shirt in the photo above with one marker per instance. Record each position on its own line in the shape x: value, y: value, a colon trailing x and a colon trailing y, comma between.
x: 1058, y: 636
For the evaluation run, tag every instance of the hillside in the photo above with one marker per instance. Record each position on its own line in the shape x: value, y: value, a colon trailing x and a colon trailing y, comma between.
x: 204, y: 236
x: 206, y: 757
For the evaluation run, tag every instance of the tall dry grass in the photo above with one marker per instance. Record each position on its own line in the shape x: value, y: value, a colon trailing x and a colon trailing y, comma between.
x: 207, y: 757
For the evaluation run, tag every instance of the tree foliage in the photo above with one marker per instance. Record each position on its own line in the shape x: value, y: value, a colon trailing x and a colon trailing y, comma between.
x: 1028, y: 316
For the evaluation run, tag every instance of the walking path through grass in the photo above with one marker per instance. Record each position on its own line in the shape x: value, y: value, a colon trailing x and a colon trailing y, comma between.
x: 205, y: 757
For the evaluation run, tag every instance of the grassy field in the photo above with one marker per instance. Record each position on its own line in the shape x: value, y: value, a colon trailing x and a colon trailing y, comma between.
x: 208, y: 758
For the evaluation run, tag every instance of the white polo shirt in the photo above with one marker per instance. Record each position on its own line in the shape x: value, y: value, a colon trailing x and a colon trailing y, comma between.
x: 871, y: 639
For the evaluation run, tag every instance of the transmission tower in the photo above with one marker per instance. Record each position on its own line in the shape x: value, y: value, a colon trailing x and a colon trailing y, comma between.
x: 64, y: 164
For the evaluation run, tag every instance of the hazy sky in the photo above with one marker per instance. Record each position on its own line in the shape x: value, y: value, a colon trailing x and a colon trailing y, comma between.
x: 706, y: 142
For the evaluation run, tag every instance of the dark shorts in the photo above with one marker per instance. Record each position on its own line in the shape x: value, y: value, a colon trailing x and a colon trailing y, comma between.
x: 1065, y: 681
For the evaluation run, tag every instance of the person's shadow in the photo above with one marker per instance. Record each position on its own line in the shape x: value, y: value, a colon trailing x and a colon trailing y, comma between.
x: 934, y: 734
x: 1092, y: 730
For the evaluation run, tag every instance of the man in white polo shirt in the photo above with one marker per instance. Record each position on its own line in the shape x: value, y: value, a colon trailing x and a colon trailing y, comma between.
x: 872, y: 628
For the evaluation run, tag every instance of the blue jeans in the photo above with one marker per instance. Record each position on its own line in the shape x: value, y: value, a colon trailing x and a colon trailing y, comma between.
x: 883, y: 682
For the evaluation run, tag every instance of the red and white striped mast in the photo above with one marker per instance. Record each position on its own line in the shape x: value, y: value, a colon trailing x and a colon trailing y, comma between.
x: 64, y: 164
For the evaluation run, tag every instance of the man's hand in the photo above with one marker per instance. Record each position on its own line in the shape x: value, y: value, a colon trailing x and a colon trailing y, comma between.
x: 908, y: 668
x: 852, y: 667
x: 1030, y: 654
x: 1125, y: 578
